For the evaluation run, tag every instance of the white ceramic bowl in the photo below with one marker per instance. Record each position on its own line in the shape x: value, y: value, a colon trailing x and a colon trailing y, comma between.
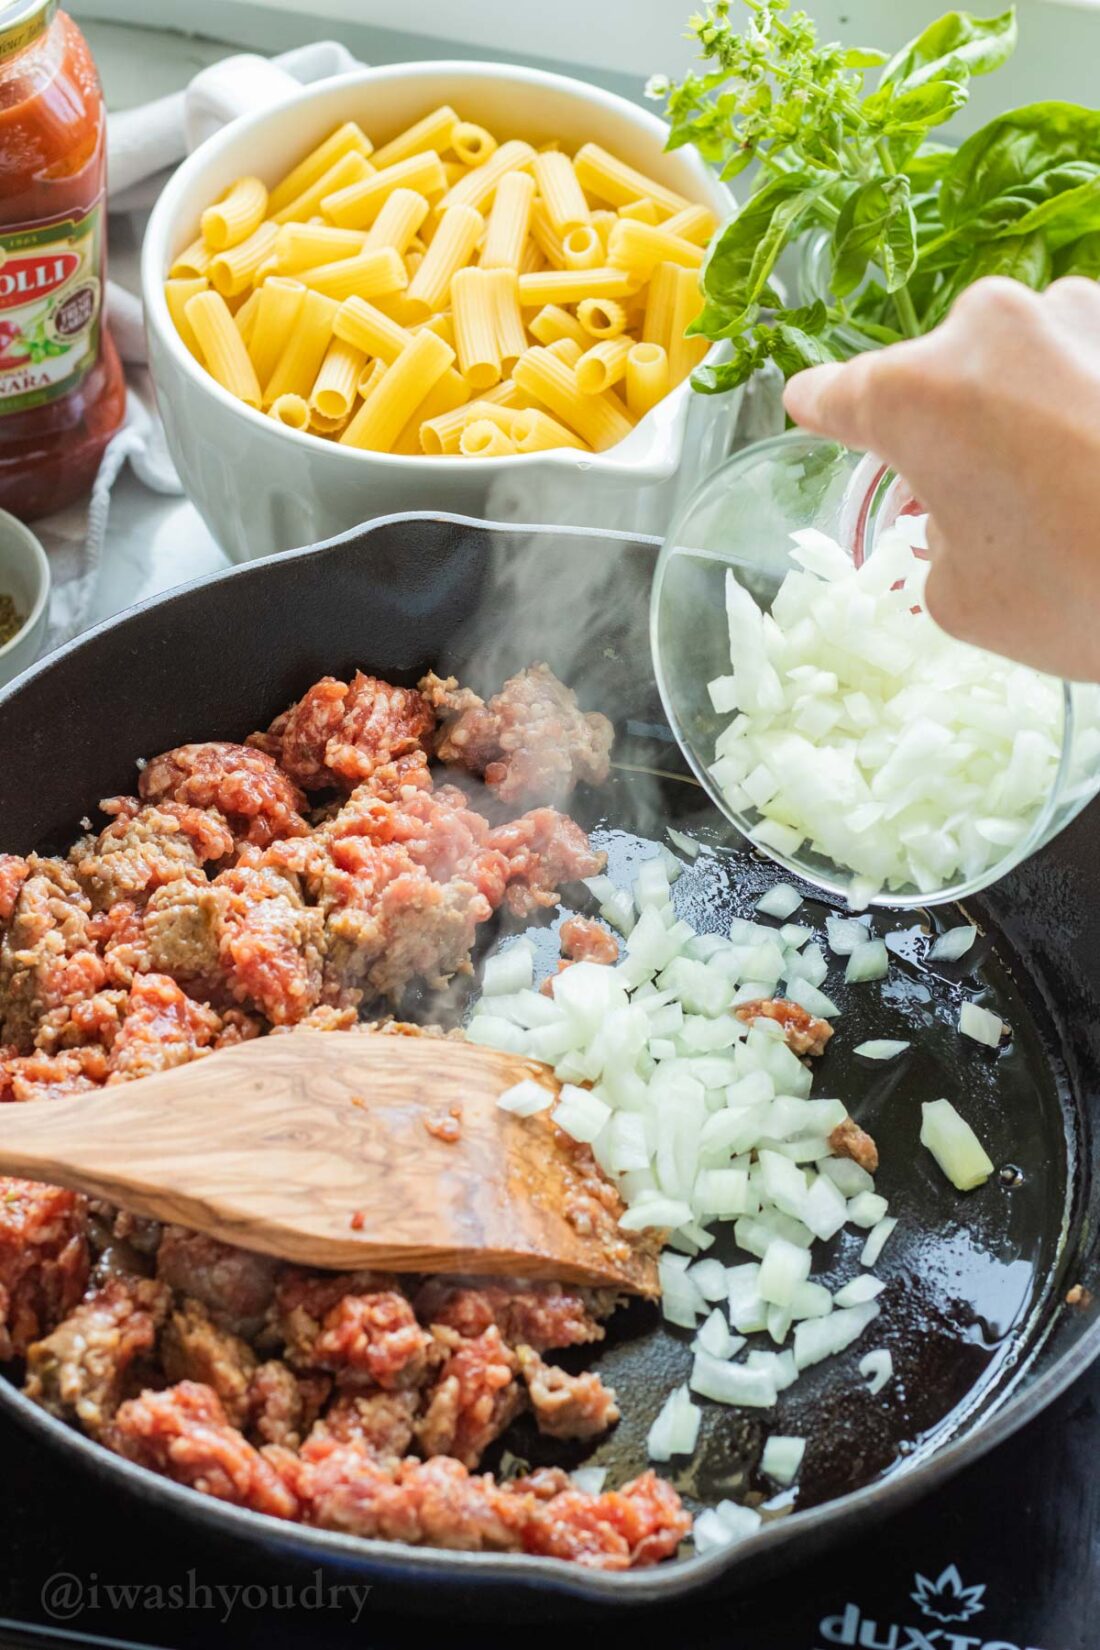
x: 25, y: 577
x: 261, y: 487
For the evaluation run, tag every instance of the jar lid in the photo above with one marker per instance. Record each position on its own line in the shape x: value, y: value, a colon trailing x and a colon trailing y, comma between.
x: 22, y: 22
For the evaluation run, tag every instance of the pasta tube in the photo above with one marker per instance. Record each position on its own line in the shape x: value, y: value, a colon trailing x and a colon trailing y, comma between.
x: 570, y: 286
x: 694, y: 223
x: 222, y: 346
x: 452, y: 246
x: 647, y: 380
x: 367, y: 275
x: 345, y: 140
x: 643, y: 209
x: 609, y: 179
x: 233, y: 218
x: 684, y: 354
x: 509, y: 221
x: 511, y: 336
x: 473, y: 303
x: 280, y: 301
x: 545, y: 236
x: 402, y: 388
x: 640, y: 247
x: 192, y: 262
x: 483, y: 439
x: 567, y: 350
x: 304, y: 245
x: 599, y: 419
x: 536, y: 432
x: 300, y: 360
x: 351, y: 168
x: 337, y: 383
x: 603, y: 365
x: 177, y: 291
x: 359, y: 204
x: 397, y: 223
x: 478, y: 187
x: 379, y: 335
x: 245, y: 318
x: 582, y: 248
x: 450, y: 393
x: 601, y: 318
x: 552, y: 322
x: 472, y: 144
x: 232, y: 271
x: 563, y: 196
x: 657, y: 326
x: 291, y: 410
x: 433, y: 132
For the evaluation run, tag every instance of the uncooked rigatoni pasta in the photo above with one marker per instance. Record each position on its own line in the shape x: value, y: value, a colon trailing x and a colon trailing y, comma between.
x: 455, y: 291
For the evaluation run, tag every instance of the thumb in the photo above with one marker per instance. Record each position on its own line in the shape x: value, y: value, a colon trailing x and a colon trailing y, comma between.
x: 832, y: 400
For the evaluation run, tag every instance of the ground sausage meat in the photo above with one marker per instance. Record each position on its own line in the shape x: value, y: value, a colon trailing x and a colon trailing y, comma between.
x: 260, y: 803
x: 43, y: 1260
x: 849, y: 1140
x: 804, y: 1033
x: 531, y: 742
x: 566, y: 1406
x: 584, y: 940
x: 81, y: 1368
x: 339, y: 733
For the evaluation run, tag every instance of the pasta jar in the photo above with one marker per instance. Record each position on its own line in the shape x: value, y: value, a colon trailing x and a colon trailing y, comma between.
x: 62, y: 393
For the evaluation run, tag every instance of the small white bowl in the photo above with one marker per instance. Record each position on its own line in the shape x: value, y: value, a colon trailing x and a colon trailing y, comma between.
x: 25, y: 577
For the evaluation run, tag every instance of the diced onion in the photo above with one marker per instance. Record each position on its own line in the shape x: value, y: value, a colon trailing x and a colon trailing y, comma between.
x: 877, y: 1241
x: 510, y: 970
x: 877, y: 1368
x: 782, y: 901
x: 866, y: 1209
x: 981, y: 1024
x: 591, y: 1480
x: 782, y: 1458
x: 845, y: 933
x: 709, y: 1277
x: 675, y: 1431
x: 714, y: 1337
x: 861, y: 1289
x: 953, y: 943
x: 782, y: 1269
x: 869, y: 961
x: 724, y: 1525
x: 526, y: 1098
x: 954, y: 1145
x: 818, y: 1338
x: 730, y: 1383
x: 686, y: 844
x: 881, y: 1048
x: 581, y: 1113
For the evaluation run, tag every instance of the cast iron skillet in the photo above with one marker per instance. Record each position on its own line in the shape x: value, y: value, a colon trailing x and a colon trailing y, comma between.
x: 973, y: 1311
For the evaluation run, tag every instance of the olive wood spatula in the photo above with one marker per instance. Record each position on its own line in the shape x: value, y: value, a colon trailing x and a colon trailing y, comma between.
x: 331, y: 1150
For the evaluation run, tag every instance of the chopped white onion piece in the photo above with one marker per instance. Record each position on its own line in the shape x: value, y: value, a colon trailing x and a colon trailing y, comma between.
x: 782, y: 1458
x: 581, y: 1113
x: 981, y: 1024
x: 877, y: 1240
x: 709, y: 1277
x: 719, y: 1527
x: 782, y: 901
x: 590, y: 1480
x: 845, y: 933
x: 862, y: 1288
x: 651, y: 887
x: 866, y: 1209
x: 815, y: 1002
x: 714, y: 1337
x: 810, y: 1300
x: 779, y: 1365
x: 782, y: 1269
x: 881, y: 1048
x: 508, y: 971
x: 953, y: 943
x: 730, y: 1383
x: 686, y: 844
x: 869, y: 961
x: 877, y: 1368
x: 795, y: 935
x: 675, y: 1431
x: 848, y: 1178
x: 526, y: 1098
x: 655, y: 1211
x: 954, y: 1145
x: 818, y: 1338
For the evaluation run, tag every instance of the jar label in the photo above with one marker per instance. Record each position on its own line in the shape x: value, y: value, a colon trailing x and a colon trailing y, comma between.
x: 50, y: 302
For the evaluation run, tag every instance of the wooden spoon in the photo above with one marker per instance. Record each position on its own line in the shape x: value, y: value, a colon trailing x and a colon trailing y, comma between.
x: 330, y: 1149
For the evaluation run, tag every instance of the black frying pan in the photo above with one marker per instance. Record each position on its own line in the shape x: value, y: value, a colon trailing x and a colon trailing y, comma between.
x: 973, y: 1312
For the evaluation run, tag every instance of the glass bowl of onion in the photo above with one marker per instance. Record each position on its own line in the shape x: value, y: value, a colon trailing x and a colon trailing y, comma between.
x: 825, y: 713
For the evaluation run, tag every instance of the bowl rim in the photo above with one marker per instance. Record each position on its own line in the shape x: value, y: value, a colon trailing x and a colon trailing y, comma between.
x: 1019, y: 1400
x: 17, y: 532
x: 158, y: 234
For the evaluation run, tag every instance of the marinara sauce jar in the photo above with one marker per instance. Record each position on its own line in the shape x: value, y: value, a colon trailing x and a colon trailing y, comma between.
x: 62, y: 394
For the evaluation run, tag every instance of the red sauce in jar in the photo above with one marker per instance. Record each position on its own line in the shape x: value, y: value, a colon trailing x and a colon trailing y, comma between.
x: 62, y: 394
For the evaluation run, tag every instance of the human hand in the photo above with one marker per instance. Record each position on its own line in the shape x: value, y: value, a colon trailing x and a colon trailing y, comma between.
x: 994, y: 421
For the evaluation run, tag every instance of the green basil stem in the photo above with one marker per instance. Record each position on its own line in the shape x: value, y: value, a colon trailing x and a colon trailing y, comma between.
x: 903, y: 301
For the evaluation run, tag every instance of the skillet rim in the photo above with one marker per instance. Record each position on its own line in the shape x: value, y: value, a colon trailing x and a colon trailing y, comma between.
x: 403, y: 1564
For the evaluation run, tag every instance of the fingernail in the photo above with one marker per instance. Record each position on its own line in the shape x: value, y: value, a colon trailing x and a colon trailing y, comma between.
x: 803, y: 392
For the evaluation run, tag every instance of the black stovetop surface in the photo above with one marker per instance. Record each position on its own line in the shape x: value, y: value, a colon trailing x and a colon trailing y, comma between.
x: 1021, y: 1528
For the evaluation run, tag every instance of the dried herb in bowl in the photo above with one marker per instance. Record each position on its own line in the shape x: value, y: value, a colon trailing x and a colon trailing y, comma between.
x: 11, y: 620
x: 909, y: 222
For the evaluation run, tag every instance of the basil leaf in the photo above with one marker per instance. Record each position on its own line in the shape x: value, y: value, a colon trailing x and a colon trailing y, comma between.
x: 1080, y: 257
x: 741, y: 259
x: 926, y: 168
x: 876, y: 224
x: 954, y: 47
x: 792, y: 349
x: 1074, y: 212
x: 914, y: 110
x: 1022, y: 161
x: 1024, y: 258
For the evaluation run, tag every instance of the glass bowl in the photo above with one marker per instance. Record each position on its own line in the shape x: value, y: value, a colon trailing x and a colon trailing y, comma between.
x: 741, y: 519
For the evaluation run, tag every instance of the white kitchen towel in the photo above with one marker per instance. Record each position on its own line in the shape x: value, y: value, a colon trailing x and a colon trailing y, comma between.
x: 144, y: 144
